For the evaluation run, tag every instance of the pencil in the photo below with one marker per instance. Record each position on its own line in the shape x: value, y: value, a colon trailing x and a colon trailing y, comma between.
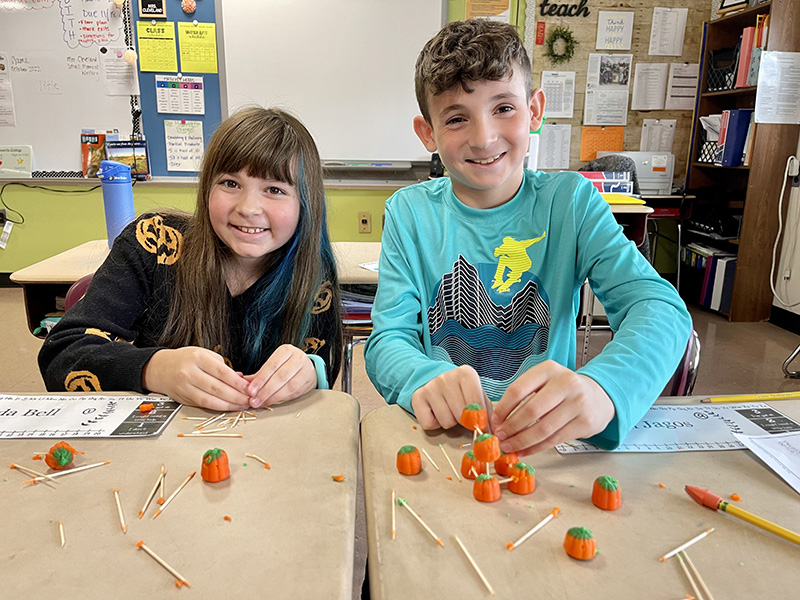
x: 404, y: 504
x: 553, y: 514
x: 450, y: 462
x: 179, y: 579
x: 173, y: 494
x: 119, y: 510
x: 694, y: 540
x: 428, y: 456
x: 696, y: 574
x: 475, y: 566
x: 68, y: 472
x: 153, y: 492
x: 752, y: 397
x: 711, y: 500
x: 690, y: 578
x: 394, y: 517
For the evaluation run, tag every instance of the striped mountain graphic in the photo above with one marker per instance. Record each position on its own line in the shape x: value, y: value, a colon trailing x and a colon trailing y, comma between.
x: 470, y: 328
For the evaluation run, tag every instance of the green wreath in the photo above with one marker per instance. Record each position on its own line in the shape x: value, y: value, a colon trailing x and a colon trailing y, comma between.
x: 560, y: 45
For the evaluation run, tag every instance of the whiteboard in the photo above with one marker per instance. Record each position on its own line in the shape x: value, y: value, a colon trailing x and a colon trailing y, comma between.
x: 344, y: 67
x: 52, y: 56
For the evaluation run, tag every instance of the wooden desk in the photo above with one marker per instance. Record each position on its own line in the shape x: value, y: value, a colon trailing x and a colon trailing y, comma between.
x: 291, y: 533
x: 42, y: 282
x: 736, y: 561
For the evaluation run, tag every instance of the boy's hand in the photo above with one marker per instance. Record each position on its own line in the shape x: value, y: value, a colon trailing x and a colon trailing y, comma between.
x: 439, y: 402
x: 287, y: 374
x: 551, y: 405
x: 196, y: 377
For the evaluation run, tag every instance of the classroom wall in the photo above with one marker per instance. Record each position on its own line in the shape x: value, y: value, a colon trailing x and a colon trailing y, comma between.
x: 57, y: 221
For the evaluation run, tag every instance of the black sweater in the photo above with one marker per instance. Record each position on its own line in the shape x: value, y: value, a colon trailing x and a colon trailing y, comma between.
x: 103, y: 342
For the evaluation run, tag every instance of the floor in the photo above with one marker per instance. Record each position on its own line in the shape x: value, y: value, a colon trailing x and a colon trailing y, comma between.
x: 735, y: 358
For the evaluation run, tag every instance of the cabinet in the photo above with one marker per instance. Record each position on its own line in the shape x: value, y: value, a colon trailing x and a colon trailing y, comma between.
x: 750, y: 191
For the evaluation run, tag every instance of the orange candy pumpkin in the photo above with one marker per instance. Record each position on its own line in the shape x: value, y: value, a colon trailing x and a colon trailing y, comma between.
x: 486, y: 448
x: 580, y: 543
x: 408, y: 460
x: 468, y: 461
x: 473, y: 417
x: 523, y: 479
x: 606, y: 493
x: 486, y: 488
x: 504, y: 464
x: 60, y: 456
x: 215, y: 466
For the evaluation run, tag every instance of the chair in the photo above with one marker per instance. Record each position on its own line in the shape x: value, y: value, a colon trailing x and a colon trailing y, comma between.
x: 682, y: 382
x: 787, y: 362
x: 77, y: 291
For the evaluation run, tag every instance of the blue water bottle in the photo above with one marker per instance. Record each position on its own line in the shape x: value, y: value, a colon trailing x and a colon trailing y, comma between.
x: 117, y: 197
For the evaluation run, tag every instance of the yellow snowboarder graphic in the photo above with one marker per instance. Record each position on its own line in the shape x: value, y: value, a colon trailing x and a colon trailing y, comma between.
x: 514, y: 256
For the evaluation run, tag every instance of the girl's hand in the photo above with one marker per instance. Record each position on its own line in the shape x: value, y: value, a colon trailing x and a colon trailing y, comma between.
x: 287, y: 374
x: 196, y: 377
x: 548, y: 405
x: 439, y: 402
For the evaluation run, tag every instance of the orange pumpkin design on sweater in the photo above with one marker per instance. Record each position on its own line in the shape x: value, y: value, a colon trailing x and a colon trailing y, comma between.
x: 82, y: 381
x: 159, y: 239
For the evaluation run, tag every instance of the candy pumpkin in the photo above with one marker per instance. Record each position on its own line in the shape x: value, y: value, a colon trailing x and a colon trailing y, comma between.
x: 580, y: 543
x: 504, y: 464
x: 215, y: 466
x: 486, y: 488
x: 486, y: 448
x: 60, y: 456
x: 408, y: 460
x: 606, y: 493
x: 523, y: 479
x: 468, y: 461
x: 473, y: 417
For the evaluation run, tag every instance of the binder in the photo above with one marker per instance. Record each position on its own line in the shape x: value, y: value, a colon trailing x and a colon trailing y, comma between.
x: 745, y: 51
x: 736, y: 133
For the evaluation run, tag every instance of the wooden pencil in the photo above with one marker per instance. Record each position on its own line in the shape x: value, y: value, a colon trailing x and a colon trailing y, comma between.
x: 475, y: 566
x: 402, y: 502
x: 696, y: 574
x: 119, y: 511
x: 173, y: 494
x: 450, y: 462
x: 153, y: 491
x: 428, y: 456
x: 68, y: 472
x: 178, y: 577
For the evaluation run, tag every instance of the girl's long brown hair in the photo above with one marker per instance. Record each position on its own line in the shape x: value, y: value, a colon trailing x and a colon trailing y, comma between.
x: 266, y: 143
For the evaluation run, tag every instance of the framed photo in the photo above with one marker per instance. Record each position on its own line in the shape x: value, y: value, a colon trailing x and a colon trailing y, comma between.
x: 726, y: 5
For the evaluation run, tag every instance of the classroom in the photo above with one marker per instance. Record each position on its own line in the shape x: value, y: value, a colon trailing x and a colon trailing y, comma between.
x: 682, y: 114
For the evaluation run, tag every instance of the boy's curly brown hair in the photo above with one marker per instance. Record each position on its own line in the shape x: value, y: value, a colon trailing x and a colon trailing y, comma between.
x: 465, y: 51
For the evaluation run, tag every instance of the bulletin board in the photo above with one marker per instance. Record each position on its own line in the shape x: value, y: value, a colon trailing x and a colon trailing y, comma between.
x: 53, y: 74
x: 345, y: 68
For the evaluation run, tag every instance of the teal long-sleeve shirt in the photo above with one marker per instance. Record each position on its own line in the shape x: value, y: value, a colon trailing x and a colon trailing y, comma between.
x: 498, y: 289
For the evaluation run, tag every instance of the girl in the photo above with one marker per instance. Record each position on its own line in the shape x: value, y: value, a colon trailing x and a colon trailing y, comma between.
x: 234, y: 306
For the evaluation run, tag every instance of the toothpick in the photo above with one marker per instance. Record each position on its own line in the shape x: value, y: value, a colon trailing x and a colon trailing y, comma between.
x: 31, y: 472
x: 506, y: 480
x: 236, y: 420
x: 537, y: 527
x: 160, y: 500
x: 205, y: 421
x: 464, y: 445
x: 428, y: 456
x: 690, y: 578
x: 199, y: 435
x: 694, y: 540
x: 258, y: 458
x: 175, y: 493
x: 451, y: 462
x: 404, y: 504
x: 211, y: 420
x: 210, y: 431
x: 119, y: 510
x: 180, y: 578
x: 61, y: 533
x: 475, y: 566
x: 298, y: 414
x: 196, y: 418
x: 394, y: 518
x: 69, y: 472
x: 153, y: 491
x: 474, y: 472
x: 696, y: 573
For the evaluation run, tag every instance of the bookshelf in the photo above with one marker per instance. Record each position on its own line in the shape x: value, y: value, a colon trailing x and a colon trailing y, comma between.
x: 750, y: 192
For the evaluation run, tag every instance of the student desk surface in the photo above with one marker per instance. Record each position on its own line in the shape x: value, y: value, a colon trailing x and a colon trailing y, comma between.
x: 737, y: 560
x: 292, y: 527
x: 46, y: 279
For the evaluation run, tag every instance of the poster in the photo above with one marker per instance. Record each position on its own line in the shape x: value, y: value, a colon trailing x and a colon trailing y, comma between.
x: 607, y: 83
x: 778, y: 88
x: 658, y: 135
x: 682, y: 86
x: 668, y: 31
x: 184, y: 140
x: 614, y: 30
x: 554, y: 147
x: 649, y: 86
x: 559, y: 91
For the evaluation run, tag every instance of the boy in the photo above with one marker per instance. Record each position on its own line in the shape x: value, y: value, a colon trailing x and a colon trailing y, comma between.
x: 480, y: 272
